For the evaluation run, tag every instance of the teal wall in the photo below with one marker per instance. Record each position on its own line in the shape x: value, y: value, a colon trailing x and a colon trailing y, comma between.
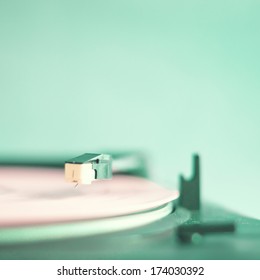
x: 166, y: 77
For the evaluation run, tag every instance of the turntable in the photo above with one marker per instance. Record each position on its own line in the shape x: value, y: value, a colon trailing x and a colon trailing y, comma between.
x: 95, y: 215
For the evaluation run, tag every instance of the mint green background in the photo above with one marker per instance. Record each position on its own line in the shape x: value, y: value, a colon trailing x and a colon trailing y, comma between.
x: 165, y: 77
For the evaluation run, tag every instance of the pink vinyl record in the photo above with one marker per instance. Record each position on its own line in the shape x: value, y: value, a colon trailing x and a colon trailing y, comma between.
x: 31, y: 196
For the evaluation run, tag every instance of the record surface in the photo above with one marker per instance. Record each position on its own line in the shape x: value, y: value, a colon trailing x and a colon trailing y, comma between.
x: 39, y: 196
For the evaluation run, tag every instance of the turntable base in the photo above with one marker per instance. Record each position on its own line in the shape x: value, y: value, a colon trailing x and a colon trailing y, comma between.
x: 41, y: 217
